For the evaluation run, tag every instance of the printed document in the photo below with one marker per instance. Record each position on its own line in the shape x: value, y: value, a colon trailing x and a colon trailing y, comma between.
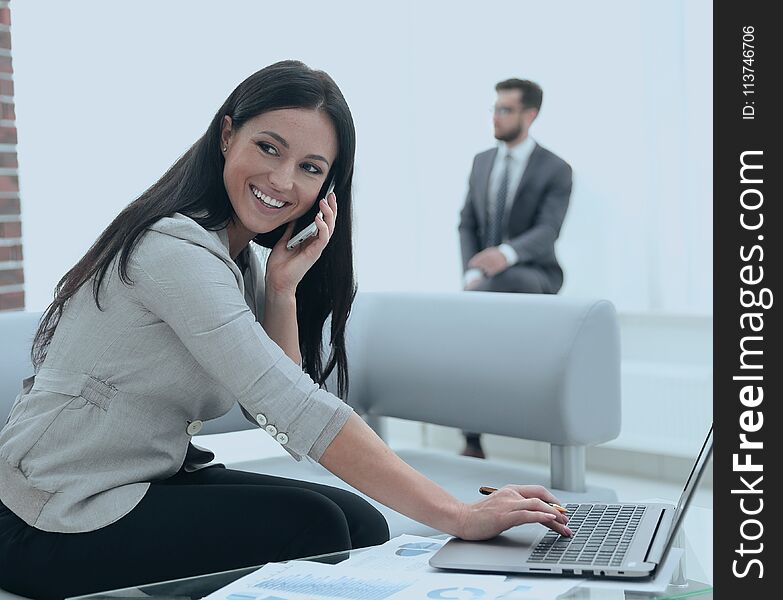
x: 305, y: 580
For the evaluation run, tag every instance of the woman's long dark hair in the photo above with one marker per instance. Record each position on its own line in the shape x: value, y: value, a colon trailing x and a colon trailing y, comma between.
x: 194, y: 187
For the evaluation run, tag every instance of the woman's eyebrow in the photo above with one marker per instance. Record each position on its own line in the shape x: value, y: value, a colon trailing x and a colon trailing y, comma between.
x: 277, y: 136
x: 284, y: 143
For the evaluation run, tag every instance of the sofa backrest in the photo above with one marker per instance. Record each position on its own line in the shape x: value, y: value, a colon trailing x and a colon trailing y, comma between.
x: 17, y: 329
x: 538, y: 367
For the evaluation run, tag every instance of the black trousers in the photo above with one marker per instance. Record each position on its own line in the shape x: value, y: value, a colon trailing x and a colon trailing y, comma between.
x: 214, y: 519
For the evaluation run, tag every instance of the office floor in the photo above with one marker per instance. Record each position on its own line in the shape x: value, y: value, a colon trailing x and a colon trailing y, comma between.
x: 634, y: 487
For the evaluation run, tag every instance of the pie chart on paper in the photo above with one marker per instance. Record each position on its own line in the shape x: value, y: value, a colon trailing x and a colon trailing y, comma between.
x: 417, y: 548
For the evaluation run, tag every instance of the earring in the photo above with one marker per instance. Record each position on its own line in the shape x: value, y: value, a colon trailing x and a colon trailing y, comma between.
x: 225, y: 148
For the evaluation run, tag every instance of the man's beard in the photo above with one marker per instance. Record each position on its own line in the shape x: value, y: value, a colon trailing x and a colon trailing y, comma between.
x: 509, y: 135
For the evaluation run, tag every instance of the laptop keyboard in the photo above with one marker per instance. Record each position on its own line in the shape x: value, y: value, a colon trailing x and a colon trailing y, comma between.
x: 602, y: 535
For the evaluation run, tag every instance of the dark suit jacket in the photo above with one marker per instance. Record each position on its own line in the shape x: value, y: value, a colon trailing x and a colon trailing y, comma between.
x: 537, y: 211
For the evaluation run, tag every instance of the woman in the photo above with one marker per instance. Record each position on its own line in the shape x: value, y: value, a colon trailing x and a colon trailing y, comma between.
x: 167, y: 321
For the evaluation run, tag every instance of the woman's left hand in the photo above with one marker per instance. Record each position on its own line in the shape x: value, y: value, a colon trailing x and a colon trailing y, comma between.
x: 285, y: 268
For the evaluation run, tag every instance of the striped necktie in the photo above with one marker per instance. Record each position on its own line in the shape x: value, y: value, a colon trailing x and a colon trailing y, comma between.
x: 495, y: 217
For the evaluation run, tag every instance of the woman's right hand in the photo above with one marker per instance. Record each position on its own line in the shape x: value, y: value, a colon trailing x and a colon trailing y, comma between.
x: 285, y: 268
x: 508, y: 507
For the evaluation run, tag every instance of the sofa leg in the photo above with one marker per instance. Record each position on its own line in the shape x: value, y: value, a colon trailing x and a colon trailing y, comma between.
x: 567, y: 467
x: 376, y: 424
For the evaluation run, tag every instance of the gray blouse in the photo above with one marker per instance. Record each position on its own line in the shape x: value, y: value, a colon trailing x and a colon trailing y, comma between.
x: 122, y: 389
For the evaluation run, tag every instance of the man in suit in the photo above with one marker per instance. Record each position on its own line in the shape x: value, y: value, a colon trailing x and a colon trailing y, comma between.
x: 518, y: 194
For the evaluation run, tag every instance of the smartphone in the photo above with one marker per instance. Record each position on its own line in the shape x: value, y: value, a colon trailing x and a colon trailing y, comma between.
x: 268, y: 240
x: 311, y: 229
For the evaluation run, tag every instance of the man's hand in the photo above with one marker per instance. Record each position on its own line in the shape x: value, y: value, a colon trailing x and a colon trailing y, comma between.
x: 491, y: 261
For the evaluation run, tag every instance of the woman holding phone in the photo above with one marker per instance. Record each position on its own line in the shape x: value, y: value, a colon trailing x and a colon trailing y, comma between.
x: 167, y: 321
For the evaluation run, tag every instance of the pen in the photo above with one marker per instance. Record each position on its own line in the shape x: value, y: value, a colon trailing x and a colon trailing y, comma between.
x: 486, y: 490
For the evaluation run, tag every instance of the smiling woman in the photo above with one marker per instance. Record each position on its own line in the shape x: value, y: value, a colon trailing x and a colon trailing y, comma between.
x: 169, y: 320
x: 211, y: 185
x: 271, y: 175
x: 273, y: 178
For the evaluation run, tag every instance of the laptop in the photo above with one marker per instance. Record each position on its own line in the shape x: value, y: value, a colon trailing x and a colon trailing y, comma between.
x: 610, y: 540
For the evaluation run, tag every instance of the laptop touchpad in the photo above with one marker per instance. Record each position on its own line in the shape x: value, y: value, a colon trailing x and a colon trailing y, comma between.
x: 503, y: 553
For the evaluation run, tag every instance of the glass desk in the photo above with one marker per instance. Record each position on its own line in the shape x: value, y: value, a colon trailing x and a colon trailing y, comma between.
x: 694, y: 579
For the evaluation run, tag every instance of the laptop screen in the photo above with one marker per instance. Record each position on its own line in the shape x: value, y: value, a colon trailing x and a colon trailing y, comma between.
x: 690, y: 486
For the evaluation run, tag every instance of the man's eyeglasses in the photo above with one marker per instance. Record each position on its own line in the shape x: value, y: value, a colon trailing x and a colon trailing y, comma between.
x: 502, y: 111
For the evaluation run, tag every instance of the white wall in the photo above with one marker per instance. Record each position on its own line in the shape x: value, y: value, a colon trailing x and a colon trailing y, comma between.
x: 109, y: 94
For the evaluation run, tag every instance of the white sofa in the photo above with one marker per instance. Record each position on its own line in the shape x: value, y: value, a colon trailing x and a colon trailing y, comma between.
x: 537, y: 367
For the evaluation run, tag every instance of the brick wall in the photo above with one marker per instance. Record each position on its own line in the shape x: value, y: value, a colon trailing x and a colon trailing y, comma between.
x: 11, y: 271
